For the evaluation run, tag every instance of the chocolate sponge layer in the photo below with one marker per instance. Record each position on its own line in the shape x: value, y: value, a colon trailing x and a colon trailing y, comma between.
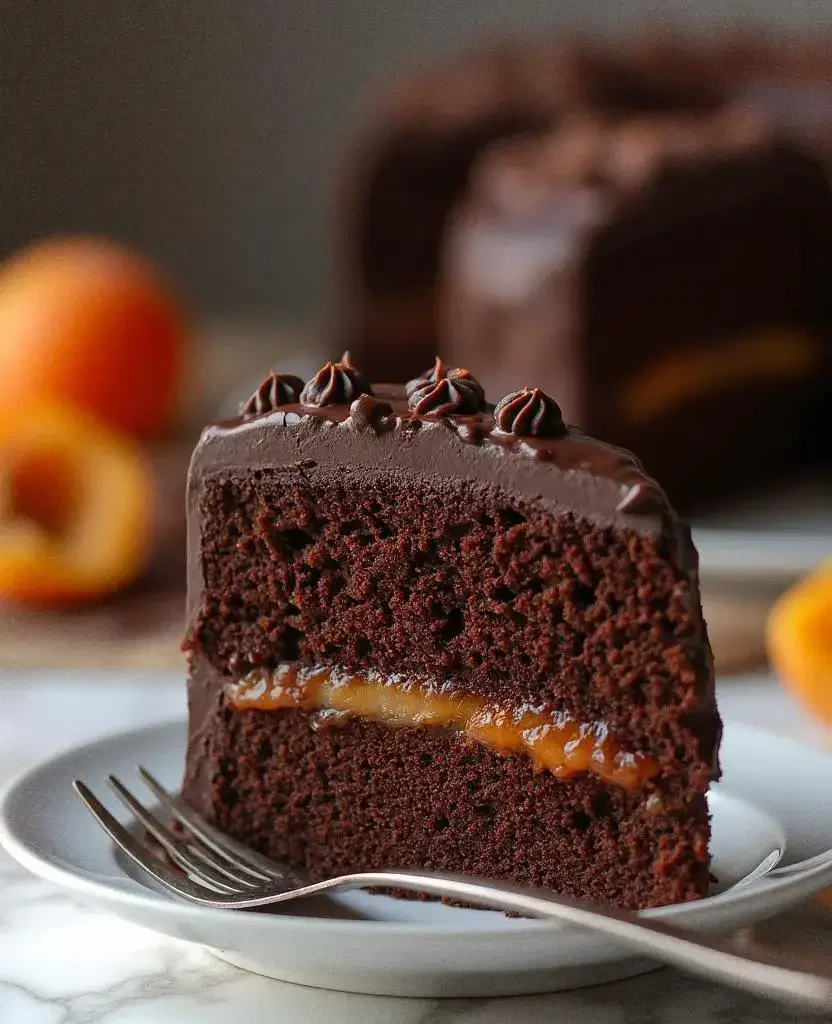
x: 360, y: 796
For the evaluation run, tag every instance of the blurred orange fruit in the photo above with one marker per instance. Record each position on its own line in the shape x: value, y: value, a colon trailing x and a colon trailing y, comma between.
x: 800, y: 640
x: 87, y: 321
x: 76, y: 501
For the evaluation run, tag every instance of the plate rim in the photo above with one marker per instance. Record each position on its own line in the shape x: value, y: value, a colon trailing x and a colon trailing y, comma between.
x: 77, y: 881
x: 743, y: 553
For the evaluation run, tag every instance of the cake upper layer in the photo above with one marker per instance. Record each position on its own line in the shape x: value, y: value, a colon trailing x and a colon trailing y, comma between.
x: 379, y: 433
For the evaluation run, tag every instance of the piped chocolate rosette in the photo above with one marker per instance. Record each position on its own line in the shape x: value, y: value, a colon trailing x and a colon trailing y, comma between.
x: 442, y: 392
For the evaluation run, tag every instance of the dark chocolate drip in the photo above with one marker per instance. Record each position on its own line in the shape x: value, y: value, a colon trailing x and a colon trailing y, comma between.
x: 369, y: 413
x: 334, y: 383
x: 529, y: 412
x: 471, y: 431
x: 641, y: 498
x: 276, y: 390
x: 443, y: 392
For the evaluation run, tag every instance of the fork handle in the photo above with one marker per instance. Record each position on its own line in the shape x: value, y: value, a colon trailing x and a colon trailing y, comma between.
x: 772, y: 974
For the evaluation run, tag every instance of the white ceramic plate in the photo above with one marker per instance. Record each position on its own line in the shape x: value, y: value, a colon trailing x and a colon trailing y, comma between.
x: 775, y: 795
x: 775, y: 556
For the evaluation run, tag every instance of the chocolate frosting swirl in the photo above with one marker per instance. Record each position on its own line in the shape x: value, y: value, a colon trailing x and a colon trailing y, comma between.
x: 443, y: 392
x: 529, y: 412
x: 334, y: 383
x: 276, y: 390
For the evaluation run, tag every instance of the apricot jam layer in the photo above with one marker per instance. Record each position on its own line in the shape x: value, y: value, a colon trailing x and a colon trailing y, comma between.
x: 555, y: 742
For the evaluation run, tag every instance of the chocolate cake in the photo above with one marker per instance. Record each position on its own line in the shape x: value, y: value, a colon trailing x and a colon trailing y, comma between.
x: 412, y: 164
x: 667, y: 275
x: 412, y: 161
x: 425, y: 631
x: 791, y: 82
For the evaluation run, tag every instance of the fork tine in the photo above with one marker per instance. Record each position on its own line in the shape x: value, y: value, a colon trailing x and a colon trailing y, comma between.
x: 235, y: 853
x: 139, y: 853
x: 179, y: 845
x: 175, y: 850
x: 201, y: 836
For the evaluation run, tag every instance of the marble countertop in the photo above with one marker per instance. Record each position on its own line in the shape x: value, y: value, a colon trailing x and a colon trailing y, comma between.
x: 64, y: 963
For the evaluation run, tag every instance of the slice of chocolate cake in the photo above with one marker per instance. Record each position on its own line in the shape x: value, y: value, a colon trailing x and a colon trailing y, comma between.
x: 666, y: 276
x: 427, y: 632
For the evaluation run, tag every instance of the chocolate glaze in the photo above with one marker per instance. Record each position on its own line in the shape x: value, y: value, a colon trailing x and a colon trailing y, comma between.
x: 604, y: 484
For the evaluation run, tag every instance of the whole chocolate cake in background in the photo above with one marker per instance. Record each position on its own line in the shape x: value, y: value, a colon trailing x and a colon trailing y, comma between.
x: 667, y: 275
x: 414, y: 169
x: 413, y: 162
x: 428, y: 631
x: 791, y: 82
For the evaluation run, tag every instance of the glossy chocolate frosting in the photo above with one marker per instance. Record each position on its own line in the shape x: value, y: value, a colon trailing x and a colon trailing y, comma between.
x: 382, y: 434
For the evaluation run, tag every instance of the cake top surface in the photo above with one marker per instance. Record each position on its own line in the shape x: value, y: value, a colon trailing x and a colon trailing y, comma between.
x: 651, y: 71
x: 439, y: 425
x: 606, y: 156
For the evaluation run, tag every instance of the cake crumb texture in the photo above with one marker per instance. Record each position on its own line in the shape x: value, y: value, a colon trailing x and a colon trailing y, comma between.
x: 463, y: 586
x: 360, y: 796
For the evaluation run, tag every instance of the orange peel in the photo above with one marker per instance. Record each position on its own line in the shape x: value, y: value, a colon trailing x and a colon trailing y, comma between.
x: 76, y: 500
x: 799, y: 639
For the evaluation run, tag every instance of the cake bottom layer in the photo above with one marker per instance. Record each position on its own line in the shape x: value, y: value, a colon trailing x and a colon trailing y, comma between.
x: 359, y: 795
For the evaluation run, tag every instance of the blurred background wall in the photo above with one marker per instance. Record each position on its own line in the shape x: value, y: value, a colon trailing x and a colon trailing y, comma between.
x: 208, y: 133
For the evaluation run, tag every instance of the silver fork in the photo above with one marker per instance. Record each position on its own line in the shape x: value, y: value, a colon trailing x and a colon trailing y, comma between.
x: 219, y: 872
